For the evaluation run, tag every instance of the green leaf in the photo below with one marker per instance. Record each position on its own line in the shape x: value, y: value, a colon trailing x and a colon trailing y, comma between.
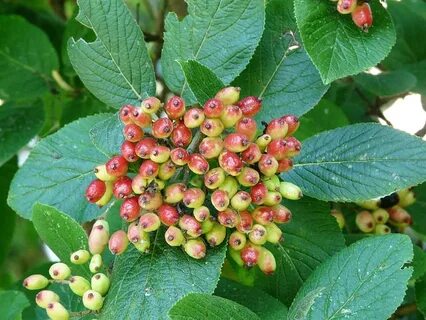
x: 116, y: 67
x: 419, y: 263
x: 201, y: 80
x: 61, y: 233
x: 387, y: 83
x: 26, y: 57
x: 12, y: 303
x: 367, y: 280
x: 261, y: 303
x: 220, y: 34
x: 147, y: 286
x: 421, y: 295
x: 19, y: 124
x: 107, y: 135
x: 325, y: 116
x: 337, y: 47
x: 280, y: 71
x: 197, y: 306
x: 359, y: 162
x: 418, y: 209
x: 58, y: 171
x: 304, y: 248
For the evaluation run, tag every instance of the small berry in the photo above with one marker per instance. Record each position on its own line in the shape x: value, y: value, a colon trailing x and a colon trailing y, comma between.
x: 59, y: 271
x: 139, y: 184
x: 237, y: 240
x: 179, y: 156
x: 190, y: 225
x: 35, y: 282
x: 79, y: 285
x: 122, y: 187
x: 277, y: 128
x: 285, y: 165
x: 132, y: 132
x: 134, y: 232
x: 214, y: 178
x: 149, y: 169
x: 125, y: 113
x: 149, y: 222
x: 213, y: 108
x: 195, y: 248
x: 141, y: 119
x: 118, y: 242
x: 168, y: 214
x: 160, y: 154
x: 263, y: 215
x: 128, y: 151
x: 216, y: 235
x: 263, y: 141
x: 174, y: 193
x: 212, y: 127
x: 268, y: 165
x: 175, y: 107
x: 198, y: 164
x: 143, y: 148
x: 266, y: 261
x: 194, y: 117
x: 220, y: 200
x: 250, y: 106
x: 117, y: 166
x: 44, y: 297
x: 290, y: 191
x: 162, y: 128
x: 258, y: 234
x: 93, y: 300
x: 241, y: 201
x: 246, y: 222
x: 174, y: 236
x: 273, y: 233
x: 80, y: 257
x: 95, y: 190
x: 211, y: 147
x: 144, y: 242
x: 107, y: 195
x: 167, y: 170
x: 207, y: 225
x: 150, y: 105
x: 248, y: 177
x: 98, y: 237
x: 181, y: 135
x: 228, y: 218
x: 372, y: 204
x: 381, y: 216
x: 102, y: 174
x: 201, y: 213
x: 236, y: 142
x: 95, y: 263
x: 228, y: 95
x: 399, y: 216
x: 381, y: 229
x: 363, y: 17
x: 292, y: 123
x: 230, y: 185
x: 281, y: 214
x: 407, y: 199
x: 272, y: 183
x: 365, y: 221
x: 194, y: 198
x: 130, y: 209
x: 231, y: 163
x: 250, y: 254
x: 252, y: 154
x: 150, y: 200
x: 258, y: 193
x: 231, y: 115
x: 272, y: 198
x: 100, y: 283
x: 248, y: 127
x: 57, y: 311
x: 346, y: 6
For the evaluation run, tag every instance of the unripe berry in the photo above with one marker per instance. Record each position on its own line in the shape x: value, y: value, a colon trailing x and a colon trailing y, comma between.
x: 122, y: 187
x: 118, y: 242
x: 220, y: 200
x: 258, y: 193
x: 252, y: 154
x: 248, y: 177
x: 268, y: 165
x: 248, y: 127
x: 213, y: 108
x: 128, y: 151
x: 381, y: 216
x: 139, y: 184
x: 201, y: 214
x: 266, y: 261
x: 175, y: 107
x: 193, y: 198
x: 168, y: 214
x: 263, y: 215
x: 95, y: 190
x: 292, y: 123
x: 181, y: 135
x: 125, y: 113
x: 212, y: 127
x: 44, y: 297
x: 346, y: 6
x: 207, y: 225
x: 179, y: 156
x: 190, y: 225
x: 290, y: 191
x: 101, y: 226
x: 162, y: 128
x: 245, y: 223
x: 133, y: 133
x: 381, y: 229
x: 117, y: 166
x: 216, y: 235
x: 230, y: 116
x: 107, y: 195
x: 149, y: 169
x: 231, y: 163
x: 198, y: 164
x: 134, y: 232
x: 194, y: 117
x: 228, y: 95
x: 79, y: 285
x: 399, y: 216
x: 151, y: 105
x: 35, y: 282
x: 237, y: 240
x: 285, y: 165
x: 80, y: 257
x: 130, y: 209
x: 272, y: 183
x: 258, y: 234
x: 59, y: 271
x: 211, y: 147
x: 230, y: 185
x: 250, y: 254
x: 250, y: 106
x: 102, y: 174
x: 241, y: 201
x: 144, y: 147
x: 174, y: 193
x: 281, y: 214
x: 57, y: 311
x: 236, y: 142
x: 236, y: 256
x: 195, y: 248
x: 160, y: 154
x: 174, y: 236
x: 228, y: 218
x: 144, y: 242
x: 93, y: 300
x: 372, y: 204
x: 273, y: 233
x: 141, y: 119
x: 407, y: 199
x: 340, y: 219
x: 365, y: 221
x: 214, y: 178
x: 100, y: 283
x: 263, y: 141
x: 363, y: 17
x: 272, y: 198
x: 149, y: 222
x: 277, y: 128
x: 95, y: 263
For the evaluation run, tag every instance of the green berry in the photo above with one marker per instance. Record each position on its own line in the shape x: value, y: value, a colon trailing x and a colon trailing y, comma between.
x: 79, y: 285
x: 44, y: 297
x: 80, y: 257
x: 272, y: 183
x: 381, y: 229
x: 258, y: 234
x: 195, y: 248
x: 59, y: 271
x: 95, y: 263
x: 273, y: 233
x: 216, y: 235
x: 266, y: 261
x: 174, y: 236
x: 290, y: 191
x: 35, y: 282
x: 57, y: 311
x: 365, y: 221
x: 100, y: 283
x: 381, y: 216
x: 237, y: 240
x: 93, y: 300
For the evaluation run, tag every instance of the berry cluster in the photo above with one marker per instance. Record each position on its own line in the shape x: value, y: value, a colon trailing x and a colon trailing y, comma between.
x: 92, y: 291
x: 361, y: 12
x: 201, y: 171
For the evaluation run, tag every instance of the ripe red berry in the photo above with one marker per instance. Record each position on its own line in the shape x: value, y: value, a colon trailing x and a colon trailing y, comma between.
x: 151, y: 105
x: 252, y: 154
x: 132, y: 132
x: 250, y: 255
x: 285, y: 165
x: 212, y: 127
x: 128, y: 151
x: 231, y: 163
x: 228, y: 218
x: 194, y: 117
x: 277, y: 128
x: 118, y: 242
x: 363, y: 17
x: 122, y: 187
x: 190, y: 225
x: 117, y: 166
x: 95, y: 190
x: 277, y: 148
x: 346, y: 6
x: 213, y: 108
x: 149, y: 169
x: 198, y: 164
x: 179, y: 156
x: 125, y: 113
x: 211, y: 147
x: 230, y: 116
x: 268, y: 165
x: 130, y: 209
x: 281, y: 214
x: 220, y: 200
x: 143, y: 148
x: 248, y: 127
x: 245, y: 224
x: 263, y: 215
x: 162, y: 128
x: 258, y: 193
x: 250, y: 106
x: 141, y: 118
x: 292, y: 123
x: 236, y: 142
x: 181, y: 135
x: 175, y: 107
x: 168, y: 214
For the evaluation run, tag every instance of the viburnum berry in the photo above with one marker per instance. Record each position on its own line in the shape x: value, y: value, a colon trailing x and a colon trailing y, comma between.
x: 231, y: 115
x: 399, y: 216
x: 193, y: 197
x: 285, y: 165
x: 160, y: 154
x: 78, y: 285
x: 175, y: 107
x: 174, y: 236
x: 211, y: 147
x: 166, y: 170
x: 95, y: 263
x: 92, y: 300
x: 290, y: 191
x: 292, y: 123
x: 263, y: 215
x: 272, y: 198
x: 122, y: 187
x: 195, y: 248
x: 150, y: 200
x: 273, y: 233
x: 268, y: 165
x: 174, y: 193
x: 381, y: 216
x: 102, y: 174
x: 118, y: 242
x: 194, y: 117
x: 245, y: 223
x: 250, y: 106
x: 128, y: 151
x: 140, y: 118
x: 236, y: 142
x: 248, y: 177
x: 100, y: 283
x: 281, y: 214
x: 258, y: 234
x: 181, y: 135
x: 263, y: 141
x: 190, y: 225
x: 362, y: 16
x: 59, y: 271
x: 250, y: 254
x: 216, y: 235
x: 241, y: 201
x: 252, y: 154
x: 266, y: 261
x: 179, y: 156
x: 35, y: 282
x: 231, y: 163
x: 95, y: 190
x: 130, y: 209
x: 198, y: 164
x: 150, y: 105
x: 212, y: 127
x: 80, y: 256
x: 228, y: 95
x: 162, y: 128
x: 168, y: 214
x: 277, y: 128
x: 126, y: 113
x: 45, y: 297
x: 248, y: 127
x: 228, y: 218
x: 149, y: 169
x: 117, y: 166
x: 133, y: 133
x: 365, y: 221
x: 272, y: 183
x: 258, y: 193
x: 230, y: 185
x: 201, y: 213
x: 237, y: 240
x: 143, y: 147
x: 346, y: 6
x: 214, y: 178
x: 213, y: 108
x: 220, y: 200
x: 57, y: 311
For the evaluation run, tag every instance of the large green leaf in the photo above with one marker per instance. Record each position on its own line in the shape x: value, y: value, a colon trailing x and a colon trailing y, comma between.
x: 146, y: 286
x: 418, y: 209
x: 304, y: 248
x: 107, y: 135
x: 280, y: 71
x: 12, y: 303
x: 19, y: 124
x: 336, y: 46
x: 261, y: 303
x: 359, y: 162
x: 364, y: 281
x: 58, y: 171
x: 27, y: 59
x: 387, y: 83
x: 419, y: 263
x: 220, y: 34
x: 116, y: 67
x: 197, y: 306
x: 421, y: 295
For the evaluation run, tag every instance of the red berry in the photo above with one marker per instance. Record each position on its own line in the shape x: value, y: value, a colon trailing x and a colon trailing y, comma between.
x: 212, y: 127
x: 128, y: 151
x: 162, y: 128
x: 130, y: 209
x: 250, y: 255
x: 246, y: 222
x: 175, y: 107
x: 250, y: 106
x: 144, y: 147
x: 141, y: 118
x: 125, y: 113
x: 236, y: 142
x: 248, y: 127
x: 268, y: 165
x: 190, y: 225
x: 248, y: 177
x: 346, y: 6
x: 194, y: 117
x: 181, y: 135
x: 363, y: 17
x: 277, y: 128
x: 179, y: 156
x: 117, y: 166
x: 252, y: 154
x: 95, y: 190
x: 220, y: 200
x: 198, y: 164
x: 285, y: 165
x: 213, y: 108
x: 211, y: 147
x: 277, y: 148
x: 292, y: 123
x: 258, y: 193
x: 122, y: 187
x: 281, y: 214
x: 149, y: 169
x: 263, y: 215
x: 132, y: 132
x: 231, y: 163
x: 168, y: 214
x: 228, y: 218
x: 231, y: 115
x: 118, y: 242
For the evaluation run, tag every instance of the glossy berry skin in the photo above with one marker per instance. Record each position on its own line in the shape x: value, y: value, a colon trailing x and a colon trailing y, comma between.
x: 134, y: 232
x: 128, y: 151
x: 174, y: 236
x: 245, y: 223
x: 201, y: 213
x: 160, y: 154
x: 130, y: 209
x: 248, y: 127
x: 231, y: 115
x: 99, y: 236
x: 150, y: 105
x: 144, y: 147
x: 150, y: 200
x: 44, y: 297
x: 241, y: 200
x: 250, y: 255
x: 193, y: 198
x: 263, y: 215
x: 59, y: 271
x: 228, y: 95
x: 237, y: 240
x: 263, y: 141
x: 190, y: 225
x: 277, y: 128
x: 122, y: 187
x: 248, y: 177
x: 236, y: 142
x: 174, y: 193
x: 266, y: 261
x: 268, y: 165
x: 92, y: 300
x: 365, y: 221
x: 228, y: 218
x: 292, y: 123
x: 285, y: 165
x: 57, y: 311
x: 175, y: 107
x: 252, y: 154
x: 272, y: 198
x: 363, y: 17
x: 141, y: 118
x: 95, y: 190
x: 117, y: 166
x: 213, y: 108
x: 281, y: 214
x: 149, y: 169
x: 231, y: 163
x: 168, y: 214
x: 181, y: 135
x: 216, y: 235
x: 167, y: 170
x: 220, y: 200
x: 258, y: 234
x: 346, y: 6
x: 194, y: 117
x: 210, y: 147
x: 132, y: 132
x: 195, y: 248
x: 198, y: 164
x: 149, y: 222
x: 179, y: 156
x: 381, y: 216
x: 250, y: 106
x: 258, y: 193
x: 35, y: 282
x: 125, y: 113
x: 162, y: 128
x: 212, y: 127
x: 214, y: 178
x: 80, y: 257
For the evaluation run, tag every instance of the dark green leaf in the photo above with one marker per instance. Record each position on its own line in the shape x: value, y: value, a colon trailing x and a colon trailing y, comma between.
x: 419, y: 263
x: 58, y: 171
x: 107, y: 135
x: 26, y: 57
x: 337, y: 47
x: 197, y: 306
x: 359, y: 162
x: 261, y: 303
x: 116, y: 67
x: 220, y: 34
x: 280, y: 71
x: 387, y: 83
x: 201, y: 80
x: 364, y: 281
x: 418, y: 209
x: 146, y: 286
x: 12, y: 303
x: 421, y: 295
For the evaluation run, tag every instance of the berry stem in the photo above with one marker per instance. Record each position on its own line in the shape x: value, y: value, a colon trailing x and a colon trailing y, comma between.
x: 195, y: 142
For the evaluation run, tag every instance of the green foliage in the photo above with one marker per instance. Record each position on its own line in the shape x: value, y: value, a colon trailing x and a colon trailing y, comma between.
x: 386, y: 84
x: 417, y: 210
x: 12, y: 303
x: 421, y: 295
